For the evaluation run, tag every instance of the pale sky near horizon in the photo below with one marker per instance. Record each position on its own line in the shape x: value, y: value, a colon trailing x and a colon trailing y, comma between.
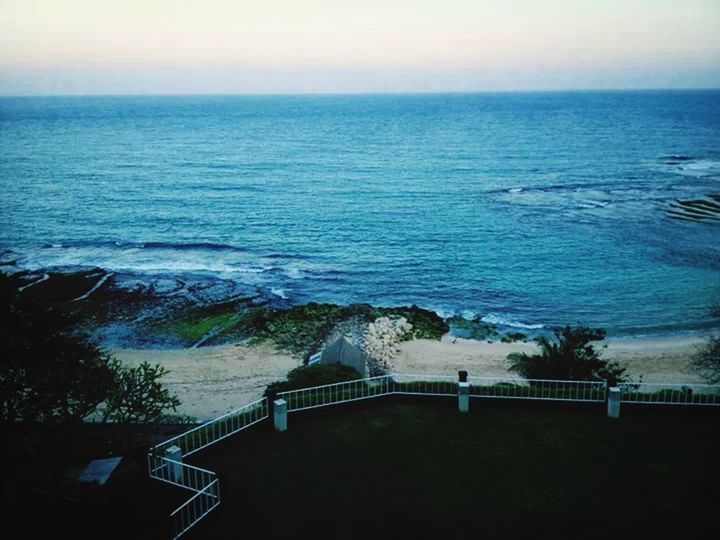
x: 287, y: 46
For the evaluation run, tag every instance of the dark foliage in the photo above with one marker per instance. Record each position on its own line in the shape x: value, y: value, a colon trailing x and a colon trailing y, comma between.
x: 137, y: 395
x: 51, y: 378
x: 706, y: 360
x: 50, y: 373
x: 303, y: 329
x: 310, y: 376
x: 511, y: 337
x: 570, y: 355
x: 46, y: 373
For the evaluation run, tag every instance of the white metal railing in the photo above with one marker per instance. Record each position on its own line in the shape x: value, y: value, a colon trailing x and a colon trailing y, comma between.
x: 537, y: 389
x: 206, y: 486
x: 215, y: 430
x: 443, y: 385
x: 418, y: 385
x: 670, y: 394
x: 330, y: 394
x: 204, y: 483
x: 179, y: 474
x: 195, y: 508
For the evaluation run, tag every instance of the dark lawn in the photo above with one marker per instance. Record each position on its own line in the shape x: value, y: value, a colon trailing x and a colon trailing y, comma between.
x: 40, y: 498
x: 419, y: 469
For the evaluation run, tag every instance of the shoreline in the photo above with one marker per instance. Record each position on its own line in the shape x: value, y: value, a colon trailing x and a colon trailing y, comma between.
x: 123, y: 309
x: 211, y: 381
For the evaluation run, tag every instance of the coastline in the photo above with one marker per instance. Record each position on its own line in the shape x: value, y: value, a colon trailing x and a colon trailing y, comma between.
x: 222, y: 346
x: 174, y: 310
x: 211, y: 381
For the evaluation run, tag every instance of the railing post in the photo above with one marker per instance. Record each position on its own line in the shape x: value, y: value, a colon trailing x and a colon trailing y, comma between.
x: 463, y: 391
x: 175, y: 470
x: 464, y: 397
x: 613, y: 403
x: 280, y: 414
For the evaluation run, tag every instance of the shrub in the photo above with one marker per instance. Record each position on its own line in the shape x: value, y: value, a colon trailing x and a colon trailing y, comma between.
x: 511, y: 337
x: 310, y: 376
x: 425, y: 324
x: 51, y: 373
x: 570, y: 355
x: 138, y: 395
x: 706, y: 361
x: 302, y: 330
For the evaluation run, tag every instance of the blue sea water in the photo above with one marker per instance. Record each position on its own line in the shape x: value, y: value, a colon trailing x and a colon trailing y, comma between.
x: 529, y: 209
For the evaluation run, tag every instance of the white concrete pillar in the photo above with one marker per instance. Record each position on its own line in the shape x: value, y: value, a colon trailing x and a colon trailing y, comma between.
x: 175, y: 470
x: 464, y: 396
x: 613, y: 404
x: 280, y: 414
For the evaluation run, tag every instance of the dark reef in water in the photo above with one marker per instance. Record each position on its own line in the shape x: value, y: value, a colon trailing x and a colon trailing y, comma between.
x: 705, y: 210
x: 122, y: 310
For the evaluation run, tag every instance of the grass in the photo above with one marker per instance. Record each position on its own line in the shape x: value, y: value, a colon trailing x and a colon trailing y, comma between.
x: 40, y: 461
x: 419, y: 469
x: 195, y: 329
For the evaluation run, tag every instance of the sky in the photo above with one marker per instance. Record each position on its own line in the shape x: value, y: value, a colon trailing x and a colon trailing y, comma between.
x: 337, y: 46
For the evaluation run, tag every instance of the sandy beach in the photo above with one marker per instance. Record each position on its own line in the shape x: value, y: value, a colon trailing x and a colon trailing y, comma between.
x: 655, y: 359
x: 211, y: 381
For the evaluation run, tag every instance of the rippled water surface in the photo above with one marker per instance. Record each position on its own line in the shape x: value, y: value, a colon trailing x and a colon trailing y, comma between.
x: 530, y: 209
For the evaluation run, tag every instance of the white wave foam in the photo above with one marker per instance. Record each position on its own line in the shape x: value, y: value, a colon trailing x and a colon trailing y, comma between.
x: 515, y: 190
x: 279, y: 292
x: 45, y: 277
x: 134, y: 261
x: 442, y: 313
x: 492, y: 318
x: 699, y: 168
x: 446, y: 313
x: 294, y: 273
x: 591, y: 203
x: 703, y: 165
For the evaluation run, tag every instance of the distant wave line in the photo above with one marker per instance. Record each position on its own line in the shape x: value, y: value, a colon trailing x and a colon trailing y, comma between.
x: 179, y: 246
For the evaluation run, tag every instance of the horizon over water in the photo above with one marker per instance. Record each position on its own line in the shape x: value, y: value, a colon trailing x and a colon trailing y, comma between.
x: 531, y: 209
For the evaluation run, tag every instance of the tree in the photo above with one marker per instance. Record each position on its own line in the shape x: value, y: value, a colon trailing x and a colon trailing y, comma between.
x: 706, y: 360
x: 569, y: 355
x: 137, y: 395
x: 311, y: 376
x: 50, y: 373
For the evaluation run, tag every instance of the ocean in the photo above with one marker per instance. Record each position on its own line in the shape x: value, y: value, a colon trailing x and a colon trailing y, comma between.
x: 530, y: 210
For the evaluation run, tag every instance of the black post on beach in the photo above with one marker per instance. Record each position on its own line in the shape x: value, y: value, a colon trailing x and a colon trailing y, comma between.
x: 271, y: 397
